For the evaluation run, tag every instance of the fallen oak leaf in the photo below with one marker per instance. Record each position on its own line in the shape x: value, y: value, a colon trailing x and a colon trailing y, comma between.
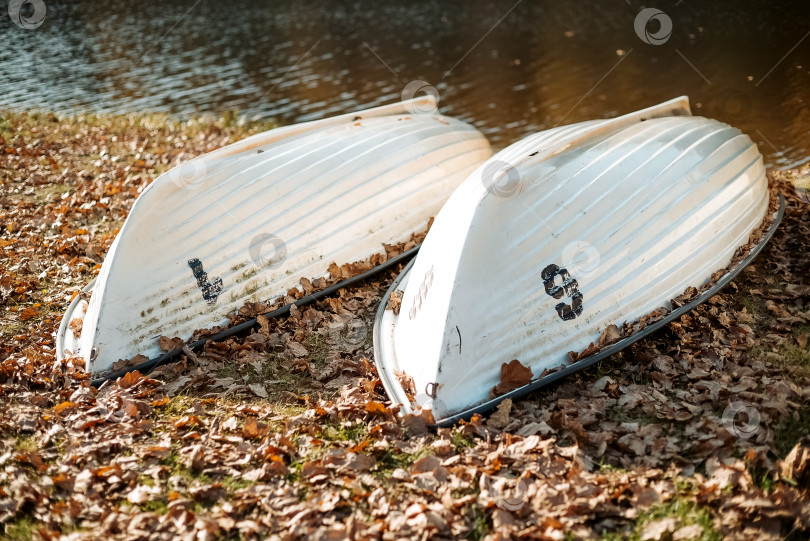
x: 312, y: 468
x: 131, y: 410
x: 62, y: 481
x: 155, y: 451
x: 394, y: 302
x: 130, y: 379
x: 258, y: 389
x: 427, y: 415
x: 414, y: 425
x: 796, y: 465
x: 170, y: 344
x: 693, y: 531
x: 264, y: 323
x: 375, y: 407
x: 658, y: 529
x: 513, y: 376
x: 76, y: 326
x: 188, y: 420
x: 276, y: 465
x: 407, y: 382
x: 32, y: 458
x: 126, y: 363
x: 142, y: 494
x: 610, y: 335
x: 592, y: 348
x: 254, y: 429
x: 30, y: 313
x: 59, y: 409
x: 500, y: 417
x: 196, y: 458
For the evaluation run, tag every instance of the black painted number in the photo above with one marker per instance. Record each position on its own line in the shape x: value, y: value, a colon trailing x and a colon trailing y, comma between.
x: 210, y: 290
x: 567, y: 287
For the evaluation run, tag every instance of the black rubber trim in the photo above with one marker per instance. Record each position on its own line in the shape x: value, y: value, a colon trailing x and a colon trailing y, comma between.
x: 625, y: 342
x: 174, y: 355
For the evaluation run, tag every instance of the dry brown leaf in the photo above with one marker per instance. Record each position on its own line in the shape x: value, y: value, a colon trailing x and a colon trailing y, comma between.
x: 127, y: 363
x: 76, y: 325
x: 187, y: 420
x: 170, y: 344
x: 687, y: 533
x: 64, y: 406
x: 29, y: 313
x: 130, y: 379
x: 414, y: 425
x: 658, y: 528
x: 94, y: 455
x: 500, y: 417
x: 264, y: 324
x: 258, y: 389
x: 513, y: 376
x: 796, y: 465
x: 610, y: 335
x: 375, y: 407
x: 254, y: 429
x: 394, y: 301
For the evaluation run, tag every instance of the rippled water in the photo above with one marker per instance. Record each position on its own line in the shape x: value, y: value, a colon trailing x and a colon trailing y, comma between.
x: 509, y: 68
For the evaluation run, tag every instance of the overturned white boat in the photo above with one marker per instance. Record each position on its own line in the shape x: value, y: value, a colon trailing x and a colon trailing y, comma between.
x: 557, y: 238
x: 246, y: 222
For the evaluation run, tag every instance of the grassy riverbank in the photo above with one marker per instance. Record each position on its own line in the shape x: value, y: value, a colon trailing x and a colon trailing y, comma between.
x: 288, y: 432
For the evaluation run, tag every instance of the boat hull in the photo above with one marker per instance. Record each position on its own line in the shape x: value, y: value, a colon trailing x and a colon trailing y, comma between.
x: 561, y: 236
x: 246, y: 222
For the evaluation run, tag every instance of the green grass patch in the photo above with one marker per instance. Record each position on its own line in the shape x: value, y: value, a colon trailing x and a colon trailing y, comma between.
x: 480, y: 523
x: 792, y: 357
x: 339, y: 432
x: 318, y: 346
x: 801, y: 329
x: 19, y: 529
x: 158, y: 507
x: 228, y: 370
x: 177, y: 407
x: 604, y: 467
x: 762, y: 478
x: 25, y: 442
x: 146, y: 480
x: 754, y: 306
x: 792, y: 431
x: 686, y: 513
x: 391, y: 459
x: 232, y: 484
x: 461, y: 441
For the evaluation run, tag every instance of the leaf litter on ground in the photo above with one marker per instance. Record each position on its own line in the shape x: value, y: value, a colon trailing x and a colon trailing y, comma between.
x: 699, y: 431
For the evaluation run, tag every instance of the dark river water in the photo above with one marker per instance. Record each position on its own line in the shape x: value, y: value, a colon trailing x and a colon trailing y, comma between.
x: 510, y: 68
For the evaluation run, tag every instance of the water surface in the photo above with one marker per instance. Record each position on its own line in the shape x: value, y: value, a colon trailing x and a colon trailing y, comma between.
x: 509, y: 68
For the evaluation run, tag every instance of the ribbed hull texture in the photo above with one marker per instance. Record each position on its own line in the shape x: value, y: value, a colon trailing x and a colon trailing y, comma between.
x: 583, y: 236
x: 246, y: 226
